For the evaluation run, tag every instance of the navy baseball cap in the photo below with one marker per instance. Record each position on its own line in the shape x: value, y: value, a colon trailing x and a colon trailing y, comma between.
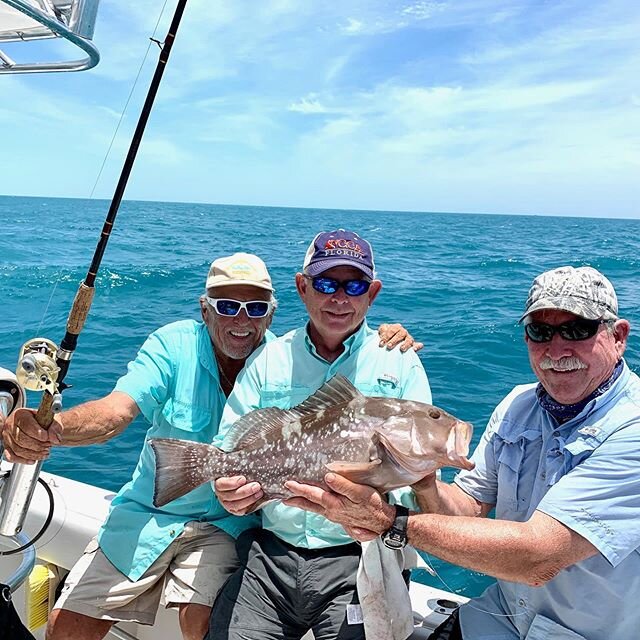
x: 338, y: 248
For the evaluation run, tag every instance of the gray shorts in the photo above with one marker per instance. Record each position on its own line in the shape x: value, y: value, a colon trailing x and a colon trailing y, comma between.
x: 191, y: 570
x: 281, y: 591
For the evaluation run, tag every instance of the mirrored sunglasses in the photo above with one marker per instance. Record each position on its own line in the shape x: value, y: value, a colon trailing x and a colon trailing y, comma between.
x: 330, y: 285
x: 574, y: 330
x: 231, y: 308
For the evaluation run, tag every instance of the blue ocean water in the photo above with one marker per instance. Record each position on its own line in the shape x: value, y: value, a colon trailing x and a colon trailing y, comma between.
x: 457, y: 281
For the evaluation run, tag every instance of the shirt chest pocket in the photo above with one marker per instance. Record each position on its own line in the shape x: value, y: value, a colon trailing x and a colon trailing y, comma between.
x: 510, y: 458
x: 190, y: 422
x: 284, y: 397
x: 380, y: 388
x: 543, y: 628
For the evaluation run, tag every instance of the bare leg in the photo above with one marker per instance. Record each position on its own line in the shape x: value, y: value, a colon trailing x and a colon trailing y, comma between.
x: 68, y: 625
x: 194, y: 620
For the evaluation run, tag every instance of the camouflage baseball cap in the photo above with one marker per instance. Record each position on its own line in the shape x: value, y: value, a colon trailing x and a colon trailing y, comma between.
x: 583, y: 291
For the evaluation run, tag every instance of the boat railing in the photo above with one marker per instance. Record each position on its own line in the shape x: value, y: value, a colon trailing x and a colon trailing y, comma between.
x: 22, y: 21
x: 15, y: 580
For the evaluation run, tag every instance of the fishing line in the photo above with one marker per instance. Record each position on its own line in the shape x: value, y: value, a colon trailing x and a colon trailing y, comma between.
x: 44, y: 315
x: 152, y: 40
x: 425, y: 556
x: 135, y: 83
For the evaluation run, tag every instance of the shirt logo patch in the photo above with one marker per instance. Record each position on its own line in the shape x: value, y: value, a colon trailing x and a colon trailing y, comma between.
x: 589, y: 431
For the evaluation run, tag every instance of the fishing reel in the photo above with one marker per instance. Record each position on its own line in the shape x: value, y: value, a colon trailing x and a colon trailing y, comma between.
x: 37, y: 369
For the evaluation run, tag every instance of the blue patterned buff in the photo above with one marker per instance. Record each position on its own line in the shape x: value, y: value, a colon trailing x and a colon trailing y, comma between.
x: 565, y: 412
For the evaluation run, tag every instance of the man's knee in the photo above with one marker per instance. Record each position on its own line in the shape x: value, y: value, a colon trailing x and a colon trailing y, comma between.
x: 68, y: 625
x: 194, y: 620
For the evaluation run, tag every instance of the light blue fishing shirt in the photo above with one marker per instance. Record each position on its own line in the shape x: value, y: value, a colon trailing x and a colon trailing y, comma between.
x: 584, y: 473
x: 174, y: 381
x: 287, y: 371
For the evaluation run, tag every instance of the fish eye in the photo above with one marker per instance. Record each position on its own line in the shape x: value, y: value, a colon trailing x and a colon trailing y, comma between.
x: 434, y: 413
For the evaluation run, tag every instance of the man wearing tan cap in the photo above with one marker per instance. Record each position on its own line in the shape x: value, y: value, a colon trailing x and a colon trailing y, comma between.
x: 560, y: 464
x: 179, y: 381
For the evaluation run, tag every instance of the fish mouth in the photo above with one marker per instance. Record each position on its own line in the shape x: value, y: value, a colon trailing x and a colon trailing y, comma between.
x: 458, y: 445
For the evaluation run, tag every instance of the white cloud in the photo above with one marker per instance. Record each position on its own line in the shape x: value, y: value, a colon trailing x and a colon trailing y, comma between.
x: 353, y: 26
x: 308, y: 104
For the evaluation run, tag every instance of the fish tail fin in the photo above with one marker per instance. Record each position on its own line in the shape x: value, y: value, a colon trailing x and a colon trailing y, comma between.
x: 180, y: 467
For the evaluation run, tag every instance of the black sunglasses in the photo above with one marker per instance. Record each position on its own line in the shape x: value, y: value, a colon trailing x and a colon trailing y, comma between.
x: 574, y: 330
x: 331, y: 285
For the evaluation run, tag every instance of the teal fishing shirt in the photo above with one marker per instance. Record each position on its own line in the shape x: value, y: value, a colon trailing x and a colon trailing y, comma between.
x: 287, y: 371
x: 174, y: 381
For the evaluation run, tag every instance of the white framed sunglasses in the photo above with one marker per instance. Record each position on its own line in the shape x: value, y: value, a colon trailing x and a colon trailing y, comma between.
x: 231, y: 308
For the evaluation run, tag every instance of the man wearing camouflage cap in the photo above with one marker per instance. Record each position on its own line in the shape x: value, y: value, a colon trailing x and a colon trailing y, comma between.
x: 560, y: 463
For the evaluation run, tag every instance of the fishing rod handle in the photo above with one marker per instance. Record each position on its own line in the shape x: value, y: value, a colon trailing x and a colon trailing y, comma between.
x: 80, y: 308
x: 44, y: 416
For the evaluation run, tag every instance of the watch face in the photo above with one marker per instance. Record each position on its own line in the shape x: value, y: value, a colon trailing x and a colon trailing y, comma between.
x: 394, y: 540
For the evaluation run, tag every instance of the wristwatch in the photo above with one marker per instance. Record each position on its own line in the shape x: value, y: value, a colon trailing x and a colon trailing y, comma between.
x: 395, y: 537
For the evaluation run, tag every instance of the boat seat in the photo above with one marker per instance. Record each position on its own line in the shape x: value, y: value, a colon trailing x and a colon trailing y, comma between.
x: 24, y: 21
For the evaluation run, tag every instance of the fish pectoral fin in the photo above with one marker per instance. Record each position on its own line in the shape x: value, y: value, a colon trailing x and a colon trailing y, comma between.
x: 359, y: 472
x: 261, y: 503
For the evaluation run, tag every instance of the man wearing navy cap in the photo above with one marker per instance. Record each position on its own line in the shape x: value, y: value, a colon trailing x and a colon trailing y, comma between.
x: 299, y: 571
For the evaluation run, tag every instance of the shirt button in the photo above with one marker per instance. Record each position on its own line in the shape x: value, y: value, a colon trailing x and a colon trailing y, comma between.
x: 521, y: 602
x: 555, y: 434
x: 172, y: 533
x: 543, y: 475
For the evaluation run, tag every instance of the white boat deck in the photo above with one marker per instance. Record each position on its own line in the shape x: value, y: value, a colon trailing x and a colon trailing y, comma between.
x: 80, y: 509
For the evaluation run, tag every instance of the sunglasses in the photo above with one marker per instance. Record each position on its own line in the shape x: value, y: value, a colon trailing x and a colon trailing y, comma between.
x: 231, y: 308
x: 330, y: 285
x: 574, y: 330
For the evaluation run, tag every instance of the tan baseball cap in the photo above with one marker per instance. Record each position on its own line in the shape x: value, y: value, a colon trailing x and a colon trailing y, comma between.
x: 240, y: 268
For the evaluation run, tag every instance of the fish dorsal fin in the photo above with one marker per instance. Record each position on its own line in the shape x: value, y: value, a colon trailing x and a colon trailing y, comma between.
x: 265, y: 425
x: 255, y: 428
x: 336, y: 391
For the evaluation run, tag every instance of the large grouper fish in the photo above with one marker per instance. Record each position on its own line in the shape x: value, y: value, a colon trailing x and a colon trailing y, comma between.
x: 383, y: 442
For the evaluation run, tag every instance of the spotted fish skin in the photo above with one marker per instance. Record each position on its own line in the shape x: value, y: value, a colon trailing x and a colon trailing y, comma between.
x: 384, y: 442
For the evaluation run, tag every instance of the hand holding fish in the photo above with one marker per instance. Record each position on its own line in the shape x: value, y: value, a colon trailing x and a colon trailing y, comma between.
x: 392, y: 335
x: 360, y: 509
x: 237, y: 495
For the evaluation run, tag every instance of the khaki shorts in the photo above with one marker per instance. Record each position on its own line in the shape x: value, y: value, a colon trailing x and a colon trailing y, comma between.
x: 191, y: 570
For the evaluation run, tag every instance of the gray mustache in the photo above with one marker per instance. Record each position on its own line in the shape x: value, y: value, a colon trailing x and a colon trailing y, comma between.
x: 569, y: 363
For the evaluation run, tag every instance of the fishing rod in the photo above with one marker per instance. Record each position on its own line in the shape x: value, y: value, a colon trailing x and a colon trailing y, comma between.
x: 42, y: 365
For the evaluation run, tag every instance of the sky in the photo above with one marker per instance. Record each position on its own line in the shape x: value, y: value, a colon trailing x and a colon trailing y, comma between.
x: 497, y: 106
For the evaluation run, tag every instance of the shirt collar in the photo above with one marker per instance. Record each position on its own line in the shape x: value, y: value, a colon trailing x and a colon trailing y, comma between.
x: 353, y: 342
x: 206, y: 354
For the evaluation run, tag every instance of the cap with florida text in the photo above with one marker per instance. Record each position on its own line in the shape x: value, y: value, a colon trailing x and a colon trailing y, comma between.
x: 338, y: 248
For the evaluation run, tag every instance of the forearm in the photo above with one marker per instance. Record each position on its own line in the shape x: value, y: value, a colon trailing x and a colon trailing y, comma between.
x: 434, y: 496
x: 516, y: 551
x: 97, y: 421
